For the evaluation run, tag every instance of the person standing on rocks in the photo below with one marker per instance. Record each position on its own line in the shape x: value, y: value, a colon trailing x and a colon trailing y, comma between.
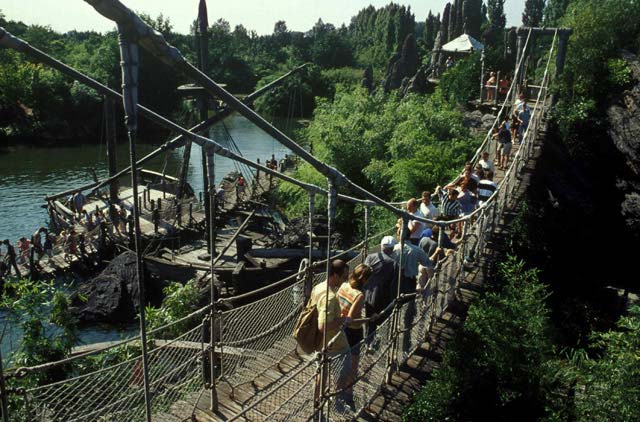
x: 10, y: 258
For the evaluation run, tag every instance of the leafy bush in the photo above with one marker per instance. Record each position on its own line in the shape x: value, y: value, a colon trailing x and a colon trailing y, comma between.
x: 393, y: 147
x: 607, y: 386
x: 619, y: 73
x: 42, y: 312
x: 461, y: 83
x: 179, y: 301
x: 495, y: 368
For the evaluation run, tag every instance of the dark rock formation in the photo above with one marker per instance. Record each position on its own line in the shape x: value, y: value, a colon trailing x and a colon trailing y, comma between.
x: 477, y: 122
x: 409, y: 55
x: 436, y: 56
x: 367, y: 79
x: 624, y: 129
x: 112, y: 296
x: 394, y: 74
x: 459, y: 19
x: 418, y: 83
x: 402, y: 65
x: 444, y: 25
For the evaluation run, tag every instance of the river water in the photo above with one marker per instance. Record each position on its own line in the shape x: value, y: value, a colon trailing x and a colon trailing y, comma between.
x: 28, y: 173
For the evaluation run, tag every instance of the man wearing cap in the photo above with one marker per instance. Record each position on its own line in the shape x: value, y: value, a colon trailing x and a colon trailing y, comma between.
x: 415, y: 263
x: 377, y: 291
x: 429, y: 244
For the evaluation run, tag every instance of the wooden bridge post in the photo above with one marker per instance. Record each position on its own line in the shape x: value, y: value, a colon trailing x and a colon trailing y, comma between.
x: 481, y: 76
x: 517, y: 74
x: 3, y: 392
x: 365, y: 252
x: 129, y: 63
x: 395, y: 317
x: 332, y: 195
x: 460, y: 278
x: 110, y: 127
x: 211, y: 197
x: 497, y: 90
x: 309, y: 279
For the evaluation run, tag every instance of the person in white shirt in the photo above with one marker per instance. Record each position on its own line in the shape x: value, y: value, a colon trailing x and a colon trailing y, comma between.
x: 486, y: 162
x: 427, y: 209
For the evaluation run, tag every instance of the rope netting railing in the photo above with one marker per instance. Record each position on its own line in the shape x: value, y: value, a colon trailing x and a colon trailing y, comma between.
x: 253, y: 339
x: 106, y: 384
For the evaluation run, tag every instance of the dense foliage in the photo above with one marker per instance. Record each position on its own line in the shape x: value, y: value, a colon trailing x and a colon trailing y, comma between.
x: 584, y: 354
x: 393, y: 147
x: 36, y: 102
x: 41, y: 311
x: 495, y: 367
x: 503, y: 364
x: 179, y: 301
x: 378, y: 33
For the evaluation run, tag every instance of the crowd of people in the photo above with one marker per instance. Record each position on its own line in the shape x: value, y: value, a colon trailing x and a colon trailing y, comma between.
x: 29, y: 252
x: 358, y: 301
x: 511, y: 131
x: 77, y: 240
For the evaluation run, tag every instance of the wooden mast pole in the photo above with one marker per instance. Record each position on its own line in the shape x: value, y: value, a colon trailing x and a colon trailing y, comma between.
x: 110, y: 134
x: 129, y: 63
x: 203, y: 51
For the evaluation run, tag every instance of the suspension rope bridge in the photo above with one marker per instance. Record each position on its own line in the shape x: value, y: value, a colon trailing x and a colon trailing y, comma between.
x: 235, y: 359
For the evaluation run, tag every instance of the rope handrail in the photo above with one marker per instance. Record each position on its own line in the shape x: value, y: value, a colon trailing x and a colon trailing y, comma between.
x: 45, y: 366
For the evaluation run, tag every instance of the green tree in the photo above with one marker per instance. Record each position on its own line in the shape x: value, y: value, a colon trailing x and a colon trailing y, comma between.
x: 495, y: 13
x: 328, y: 47
x: 472, y: 13
x: 444, y: 26
x: 394, y: 147
x: 429, y: 35
x: 554, y: 10
x: 42, y: 312
x: 533, y: 11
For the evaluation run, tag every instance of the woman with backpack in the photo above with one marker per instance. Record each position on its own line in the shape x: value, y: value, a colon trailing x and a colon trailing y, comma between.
x: 351, y: 300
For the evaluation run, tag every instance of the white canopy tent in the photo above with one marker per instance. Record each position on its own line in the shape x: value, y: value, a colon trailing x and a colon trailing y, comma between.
x: 465, y: 43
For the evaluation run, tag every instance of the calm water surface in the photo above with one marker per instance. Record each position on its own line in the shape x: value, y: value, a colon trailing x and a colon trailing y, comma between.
x: 27, y: 174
